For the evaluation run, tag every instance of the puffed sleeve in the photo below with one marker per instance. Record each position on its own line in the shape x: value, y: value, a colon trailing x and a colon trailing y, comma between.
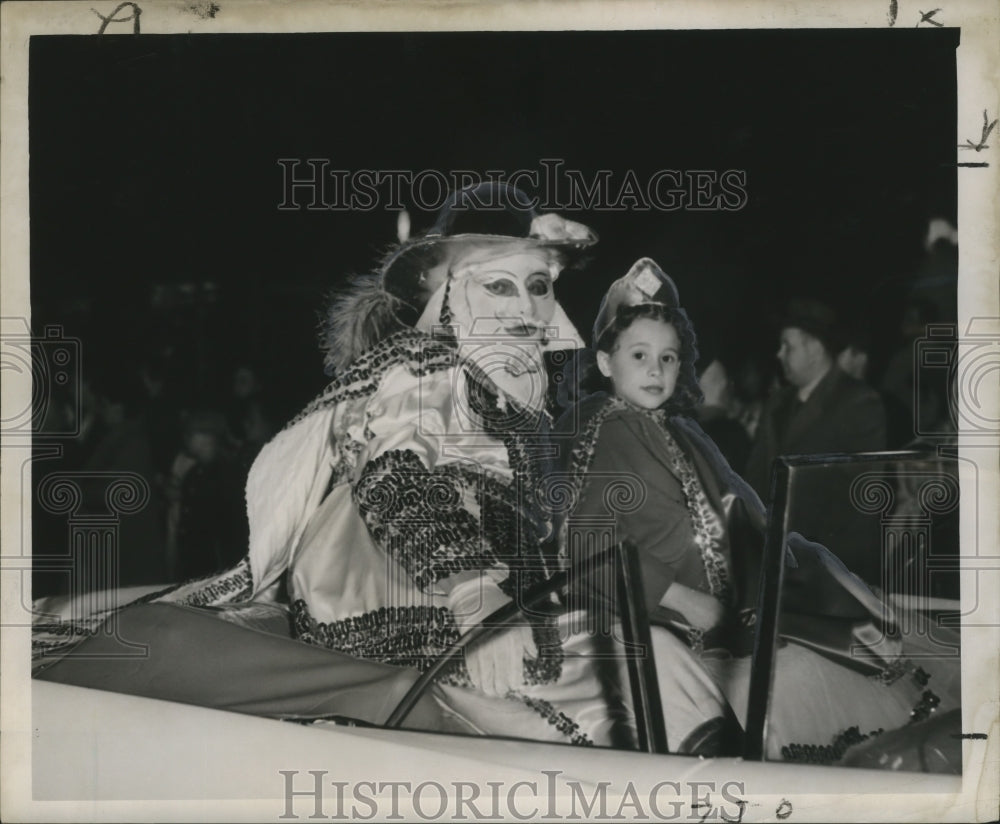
x: 285, y: 486
x: 434, y: 489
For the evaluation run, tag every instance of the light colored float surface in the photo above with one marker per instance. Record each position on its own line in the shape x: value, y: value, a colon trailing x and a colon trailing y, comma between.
x: 96, y: 745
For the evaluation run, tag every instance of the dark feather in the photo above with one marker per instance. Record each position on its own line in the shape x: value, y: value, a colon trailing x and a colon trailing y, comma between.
x: 356, y: 320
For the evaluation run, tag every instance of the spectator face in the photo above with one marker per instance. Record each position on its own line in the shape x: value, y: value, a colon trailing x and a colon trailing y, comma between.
x: 644, y: 364
x: 854, y: 362
x: 244, y: 382
x: 203, y: 446
x: 801, y: 356
x: 714, y: 383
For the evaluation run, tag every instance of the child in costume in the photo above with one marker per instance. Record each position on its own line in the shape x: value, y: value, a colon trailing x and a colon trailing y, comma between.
x: 697, y: 528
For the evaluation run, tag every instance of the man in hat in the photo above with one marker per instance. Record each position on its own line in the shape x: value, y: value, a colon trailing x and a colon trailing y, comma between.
x: 822, y: 409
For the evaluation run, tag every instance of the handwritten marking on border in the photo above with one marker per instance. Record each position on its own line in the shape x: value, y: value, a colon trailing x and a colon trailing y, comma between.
x: 113, y: 17
x: 982, y: 144
x: 927, y: 17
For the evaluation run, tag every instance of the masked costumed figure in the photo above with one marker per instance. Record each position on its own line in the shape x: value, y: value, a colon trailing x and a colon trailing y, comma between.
x: 394, y: 512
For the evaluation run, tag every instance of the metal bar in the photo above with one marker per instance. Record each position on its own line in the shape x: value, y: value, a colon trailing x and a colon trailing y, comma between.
x: 825, y: 458
x: 647, y: 706
x: 768, y: 610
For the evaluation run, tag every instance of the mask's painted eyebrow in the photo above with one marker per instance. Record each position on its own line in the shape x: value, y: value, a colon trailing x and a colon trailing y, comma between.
x: 495, y: 275
x: 483, y: 274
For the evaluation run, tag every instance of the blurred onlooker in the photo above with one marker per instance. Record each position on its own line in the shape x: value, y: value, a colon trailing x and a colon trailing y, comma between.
x: 207, y: 521
x: 750, y: 384
x: 160, y: 410
x: 899, y: 385
x: 822, y: 409
x: 935, y: 281
x: 122, y: 445
x: 854, y: 356
x: 718, y: 414
x: 247, y: 414
x: 82, y: 416
x: 49, y: 536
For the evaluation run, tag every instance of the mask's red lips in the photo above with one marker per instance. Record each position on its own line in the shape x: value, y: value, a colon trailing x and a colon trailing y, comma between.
x: 521, y: 330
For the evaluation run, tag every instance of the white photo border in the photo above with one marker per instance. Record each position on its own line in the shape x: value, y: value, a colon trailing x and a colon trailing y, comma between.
x: 972, y: 798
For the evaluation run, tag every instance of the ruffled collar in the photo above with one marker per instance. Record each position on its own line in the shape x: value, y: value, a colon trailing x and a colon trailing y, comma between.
x: 603, y: 404
x: 658, y: 416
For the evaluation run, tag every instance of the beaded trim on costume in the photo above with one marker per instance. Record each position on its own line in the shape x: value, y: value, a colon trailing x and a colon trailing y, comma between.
x: 516, y: 428
x: 581, y: 458
x: 705, y: 522
x: 413, y: 636
x: 925, y: 707
x: 547, y: 667
x: 55, y: 638
x: 421, y: 353
x: 422, y: 517
x: 530, y: 524
x: 51, y: 639
x: 833, y: 752
x: 232, y: 585
x: 894, y: 670
x: 439, y: 522
x: 562, y: 722
x: 416, y: 636
x: 827, y: 753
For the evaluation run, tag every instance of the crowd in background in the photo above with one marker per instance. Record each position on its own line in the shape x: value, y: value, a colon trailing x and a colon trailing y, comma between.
x: 193, y: 453
x: 907, y: 403
x: 194, y: 443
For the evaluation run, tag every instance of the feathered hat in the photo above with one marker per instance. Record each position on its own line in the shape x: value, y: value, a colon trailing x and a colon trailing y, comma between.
x: 489, y: 216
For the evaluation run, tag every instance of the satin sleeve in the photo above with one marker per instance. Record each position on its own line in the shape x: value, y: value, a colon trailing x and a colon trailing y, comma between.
x: 433, y: 487
x: 285, y: 486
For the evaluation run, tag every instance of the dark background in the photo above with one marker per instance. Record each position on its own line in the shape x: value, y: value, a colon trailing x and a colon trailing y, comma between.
x: 154, y: 164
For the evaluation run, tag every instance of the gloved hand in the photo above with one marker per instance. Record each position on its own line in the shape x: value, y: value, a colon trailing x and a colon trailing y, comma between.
x: 496, y: 663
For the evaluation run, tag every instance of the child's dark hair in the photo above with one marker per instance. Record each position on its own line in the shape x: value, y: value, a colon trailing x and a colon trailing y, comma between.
x: 687, y: 394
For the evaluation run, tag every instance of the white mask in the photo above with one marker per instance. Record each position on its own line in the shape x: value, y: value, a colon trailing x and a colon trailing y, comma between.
x: 504, y: 313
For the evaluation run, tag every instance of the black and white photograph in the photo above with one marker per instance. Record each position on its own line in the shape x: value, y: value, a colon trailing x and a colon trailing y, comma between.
x: 560, y: 411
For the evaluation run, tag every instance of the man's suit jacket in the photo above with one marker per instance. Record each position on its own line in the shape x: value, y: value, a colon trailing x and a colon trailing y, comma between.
x: 841, y: 415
